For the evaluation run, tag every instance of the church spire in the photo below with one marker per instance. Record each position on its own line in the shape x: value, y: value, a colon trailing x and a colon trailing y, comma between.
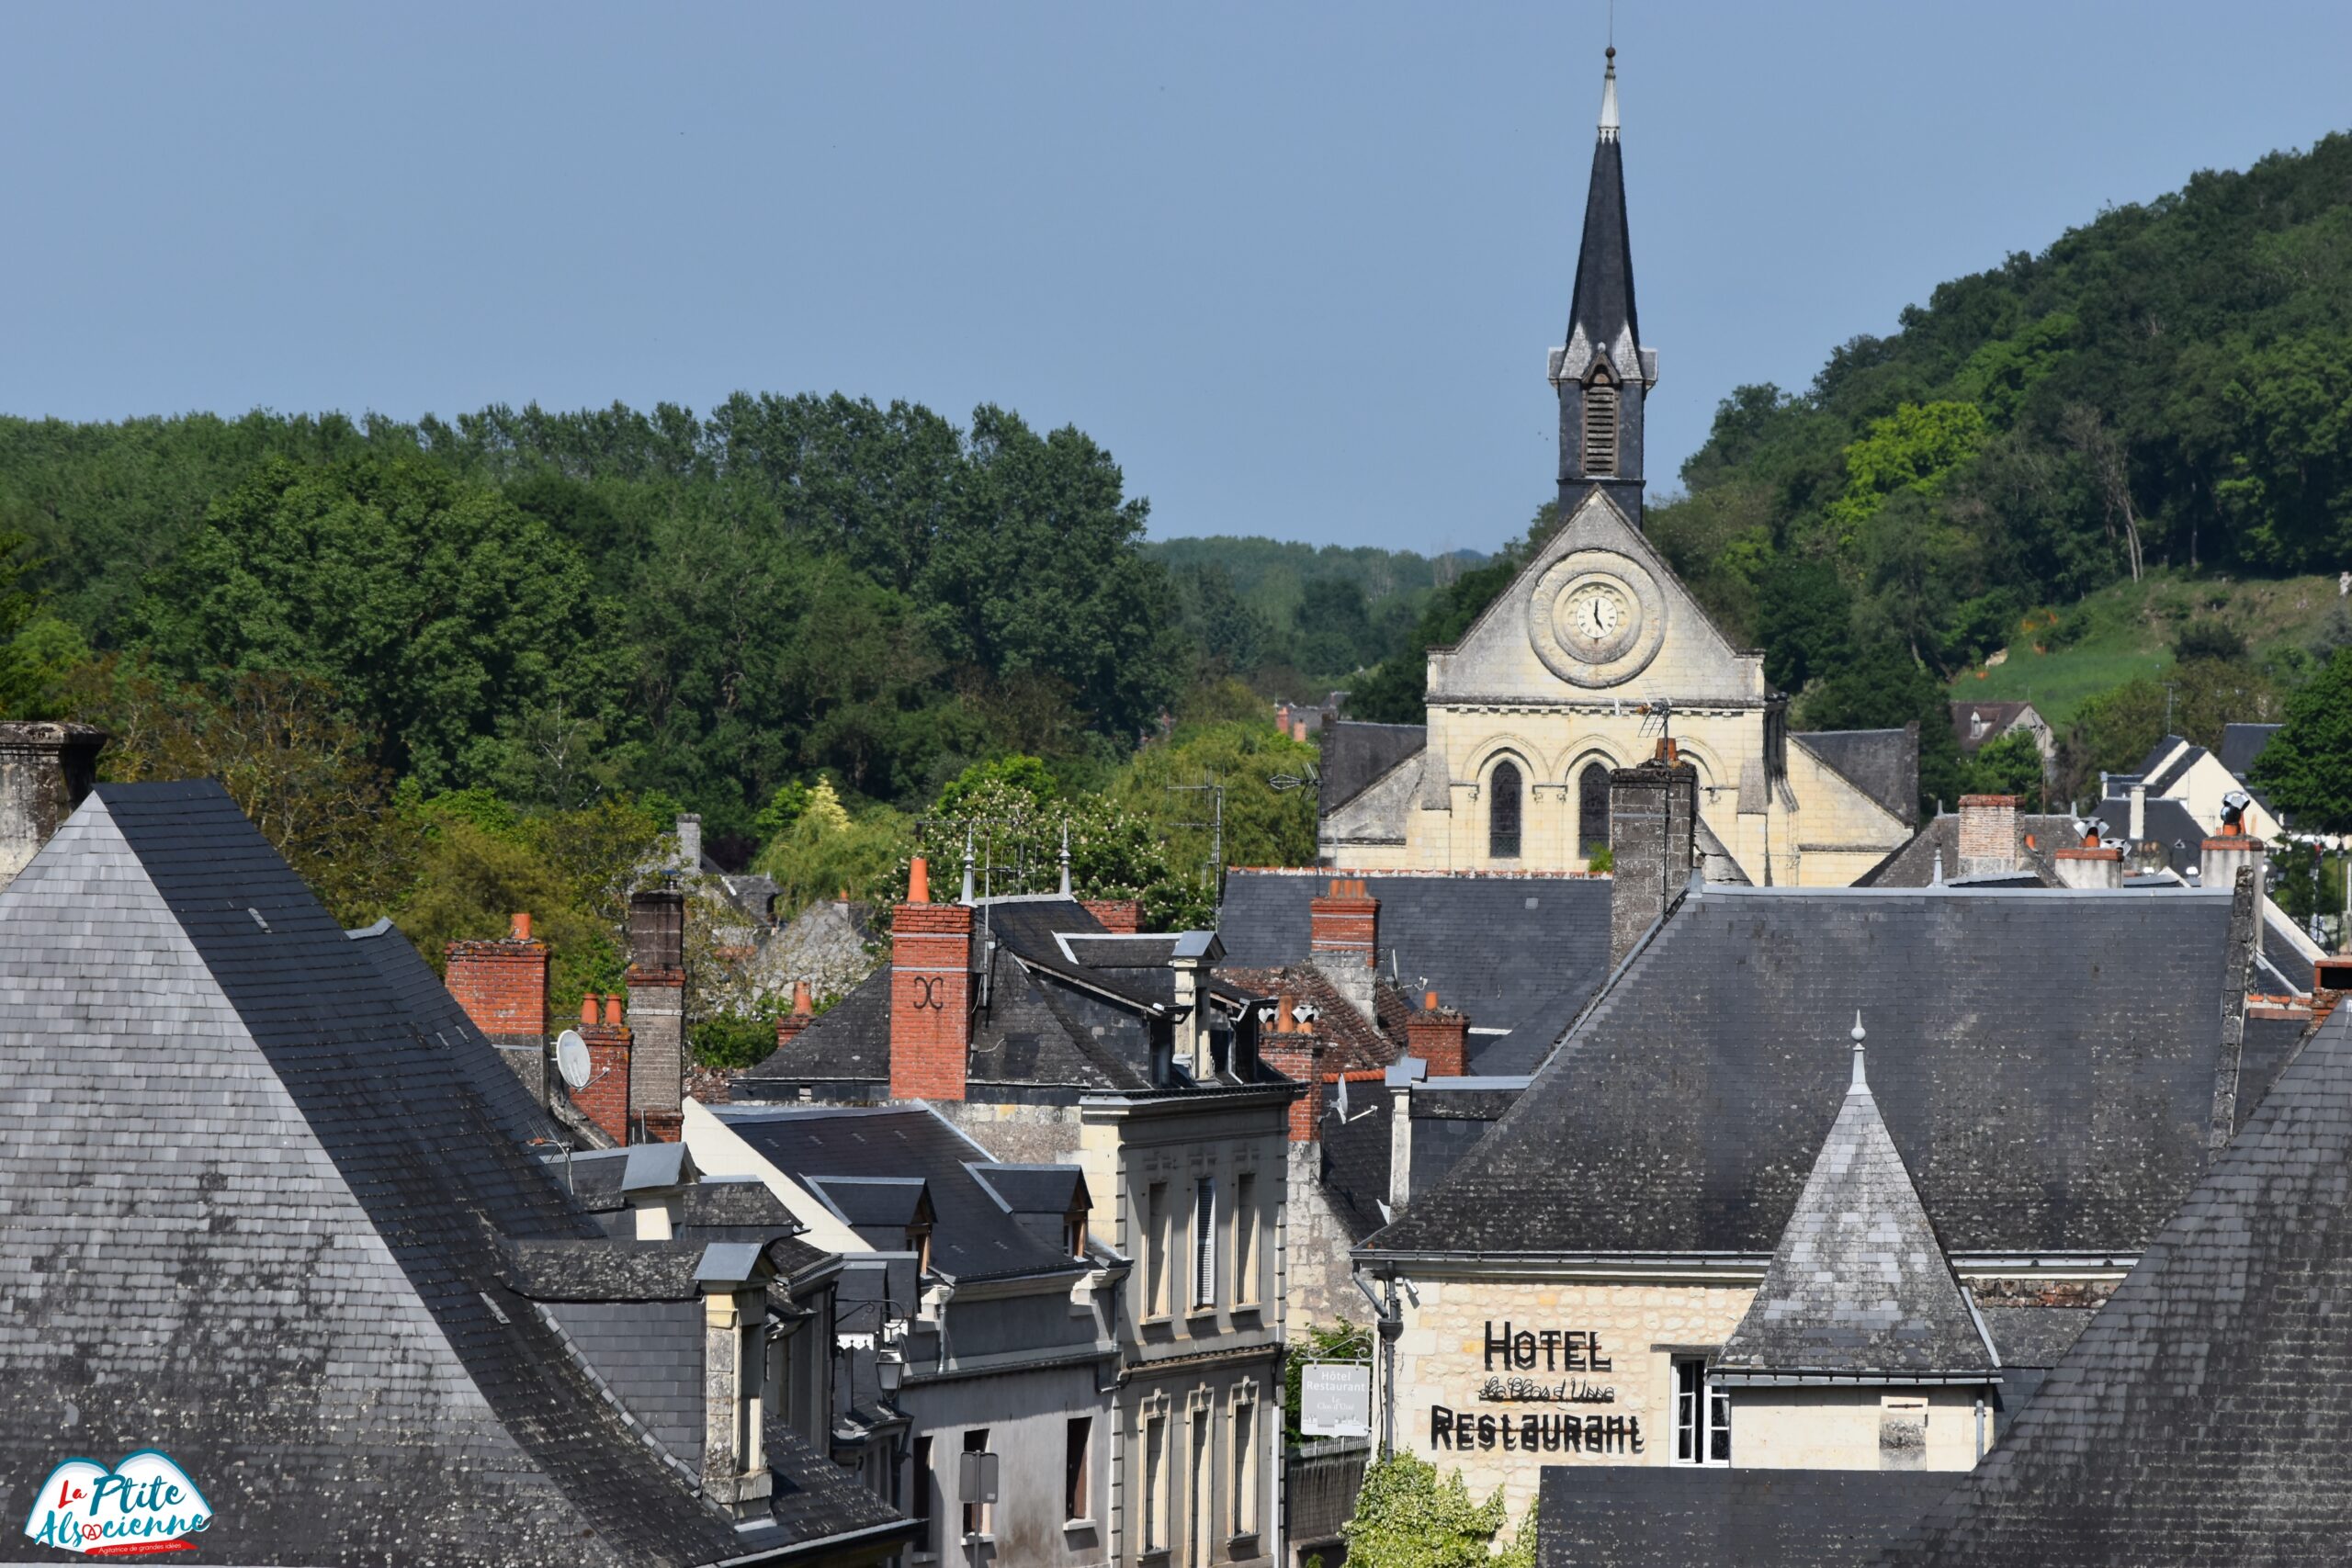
x: 1603, y: 373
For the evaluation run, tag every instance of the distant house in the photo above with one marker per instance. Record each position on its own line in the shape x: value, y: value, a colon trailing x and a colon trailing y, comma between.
x: 1978, y: 725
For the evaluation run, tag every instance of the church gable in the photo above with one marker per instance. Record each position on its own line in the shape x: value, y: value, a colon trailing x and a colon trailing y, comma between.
x: 1595, y: 614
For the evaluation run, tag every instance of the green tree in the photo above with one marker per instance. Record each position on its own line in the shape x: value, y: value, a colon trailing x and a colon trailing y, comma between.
x: 2306, y: 770
x: 2010, y: 765
x: 1915, y: 448
x: 432, y: 607
x: 1408, y: 1515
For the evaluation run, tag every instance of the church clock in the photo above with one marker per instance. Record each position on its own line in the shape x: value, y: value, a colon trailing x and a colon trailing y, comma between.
x: 1596, y: 618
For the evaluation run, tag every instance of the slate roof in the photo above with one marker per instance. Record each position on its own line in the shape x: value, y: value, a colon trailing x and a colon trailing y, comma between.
x: 1693, y: 1517
x: 1881, y: 763
x: 2164, y: 821
x: 2242, y: 743
x: 1508, y: 951
x: 1355, y: 755
x: 2199, y: 1417
x: 255, y: 1213
x: 1859, y: 1287
x: 1355, y: 1163
x: 974, y: 1238
x: 1348, y: 1041
x: 2051, y: 1087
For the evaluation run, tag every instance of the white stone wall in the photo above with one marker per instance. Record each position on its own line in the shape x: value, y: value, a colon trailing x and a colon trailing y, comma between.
x: 1320, y: 1277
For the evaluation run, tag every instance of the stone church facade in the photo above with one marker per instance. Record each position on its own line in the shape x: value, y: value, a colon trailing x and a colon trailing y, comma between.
x: 1593, y: 652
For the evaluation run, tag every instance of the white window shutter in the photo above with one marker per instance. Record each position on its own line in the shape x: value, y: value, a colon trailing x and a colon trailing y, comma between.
x: 1205, y: 1244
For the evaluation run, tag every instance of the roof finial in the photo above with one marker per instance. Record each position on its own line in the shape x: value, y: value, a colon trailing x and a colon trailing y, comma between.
x: 1939, y: 882
x: 1609, y: 98
x: 1064, y: 857
x: 967, y: 865
x: 1858, y: 1035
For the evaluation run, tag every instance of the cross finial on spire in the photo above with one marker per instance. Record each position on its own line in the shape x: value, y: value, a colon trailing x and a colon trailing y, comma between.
x: 1858, y: 1036
x: 1609, y: 98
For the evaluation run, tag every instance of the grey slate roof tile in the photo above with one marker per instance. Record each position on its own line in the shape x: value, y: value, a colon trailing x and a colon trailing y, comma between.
x: 219, y: 1121
x: 2199, y: 1419
x: 1678, y: 1516
x: 1859, y: 1285
x: 2051, y: 1091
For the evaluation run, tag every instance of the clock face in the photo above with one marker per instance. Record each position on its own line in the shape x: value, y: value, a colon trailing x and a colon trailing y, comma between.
x: 1595, y: 613
x: 1596, y: 618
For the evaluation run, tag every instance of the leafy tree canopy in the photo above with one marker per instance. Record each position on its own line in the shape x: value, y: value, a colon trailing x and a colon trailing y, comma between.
x: 2307, y: 768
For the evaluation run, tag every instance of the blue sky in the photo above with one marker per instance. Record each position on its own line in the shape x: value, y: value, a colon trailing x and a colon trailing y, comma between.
x: 1295, y: 266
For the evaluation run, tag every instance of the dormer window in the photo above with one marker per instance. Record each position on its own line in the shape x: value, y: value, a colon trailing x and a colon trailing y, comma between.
x: 1600, y: 424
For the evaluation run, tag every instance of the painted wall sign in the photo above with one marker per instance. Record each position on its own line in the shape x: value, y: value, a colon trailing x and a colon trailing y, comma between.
x: 1532, y: 1433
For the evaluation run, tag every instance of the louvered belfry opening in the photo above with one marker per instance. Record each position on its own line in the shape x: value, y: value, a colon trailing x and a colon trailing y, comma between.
x: 1600, y: 427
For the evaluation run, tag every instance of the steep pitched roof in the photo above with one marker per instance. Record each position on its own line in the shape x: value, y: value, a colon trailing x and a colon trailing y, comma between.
x: 1603, y: 307
x: 2052, y: 1094
x: 1994, y: 717
x: 2199, y: 1419
x: 1859, y: 1286
x: 2242, y: 743
x: 1882, y: 763
x: 225, y: 1126
x: 1914, y: 864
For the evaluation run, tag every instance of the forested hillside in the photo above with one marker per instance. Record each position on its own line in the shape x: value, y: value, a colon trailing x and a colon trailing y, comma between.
x: 2164, y: 397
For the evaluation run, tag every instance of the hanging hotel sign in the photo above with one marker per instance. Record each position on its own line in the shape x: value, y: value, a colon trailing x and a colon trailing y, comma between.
x: 1540, y: 1366
x: 1335, y: 1399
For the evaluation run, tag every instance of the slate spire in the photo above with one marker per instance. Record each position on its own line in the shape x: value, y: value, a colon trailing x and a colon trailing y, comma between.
x: 1858, y: 1288
x: 1603, y: 373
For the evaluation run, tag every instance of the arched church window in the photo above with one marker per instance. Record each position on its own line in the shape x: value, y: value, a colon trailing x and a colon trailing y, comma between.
x: 1600, y: 427
x: 1502, y: 812
x: 1592, y: 809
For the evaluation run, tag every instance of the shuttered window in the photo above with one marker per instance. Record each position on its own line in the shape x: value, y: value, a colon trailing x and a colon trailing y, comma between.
x: 1601, y: 430
x: 1205, y: 1243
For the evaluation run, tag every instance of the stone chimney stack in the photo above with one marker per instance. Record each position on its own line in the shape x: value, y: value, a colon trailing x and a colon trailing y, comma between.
x: 689, y: 843
x: 2091, y: 864
x: 930, y: 994
x: 605, y: 1099
x: 1653, y: 833
x: 657, y: 1003
x: 1988, y: 835
x: 1343, y: 940
x: 1440, y: 1036
x: 2136, y: 827
x: 45, y: 771
x: 2223, y: 855
x: 735, y: 1474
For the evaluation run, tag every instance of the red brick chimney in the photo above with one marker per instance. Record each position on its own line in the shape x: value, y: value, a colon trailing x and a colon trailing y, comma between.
x: 1121, y: 916
x: 605, y: 1099
x: 1441, y: 1037
x: 930, y: 994
x: 799, y: 1019
x: 1290, y: 1051
x: 1343, y: 926
x: 503, y: 984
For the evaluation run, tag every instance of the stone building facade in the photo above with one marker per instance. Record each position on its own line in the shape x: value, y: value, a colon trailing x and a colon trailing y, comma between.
x: 1593, y: 652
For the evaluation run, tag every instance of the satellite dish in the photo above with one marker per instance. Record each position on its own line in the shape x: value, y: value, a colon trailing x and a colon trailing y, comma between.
x: 571, y: 1058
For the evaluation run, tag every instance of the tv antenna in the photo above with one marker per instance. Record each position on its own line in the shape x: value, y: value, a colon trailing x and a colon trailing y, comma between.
x: 1214, y: 872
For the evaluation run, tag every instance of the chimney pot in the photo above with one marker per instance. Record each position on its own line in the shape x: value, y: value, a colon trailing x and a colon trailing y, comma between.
x: 1428, y: 1001
x: 613, y: 1011
x: 801, y: 1003
x: 919, y: 881
x: 1283, y: 1022
x: 519, y: 926
x: 588, y: 1010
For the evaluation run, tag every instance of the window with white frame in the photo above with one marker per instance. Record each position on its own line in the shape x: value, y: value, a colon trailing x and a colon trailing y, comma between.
x: 1702, y: 1415
x: 1204, y: 1242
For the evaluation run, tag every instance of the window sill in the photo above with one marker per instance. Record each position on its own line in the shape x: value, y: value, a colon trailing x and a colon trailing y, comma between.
x: 1249, y: 1309
x: 1196, y: 1313
x: 1071, y: 1527
x: 1153, y: 1554
x: 1154, y: 1320
x: 1242, y: 1545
